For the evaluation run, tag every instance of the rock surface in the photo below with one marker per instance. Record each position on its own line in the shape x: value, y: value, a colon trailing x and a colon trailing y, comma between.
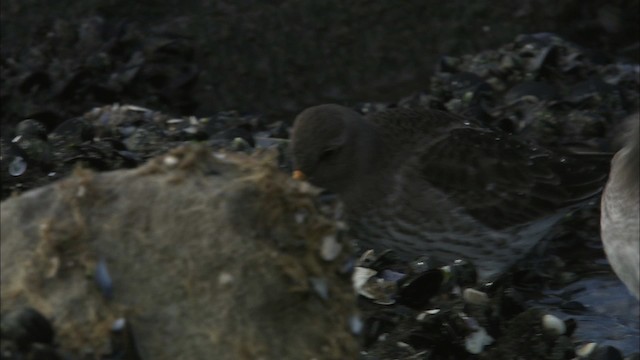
x: 205, y: 255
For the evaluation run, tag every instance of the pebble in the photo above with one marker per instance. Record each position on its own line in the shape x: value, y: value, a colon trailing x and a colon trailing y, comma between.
x: 553, y: 325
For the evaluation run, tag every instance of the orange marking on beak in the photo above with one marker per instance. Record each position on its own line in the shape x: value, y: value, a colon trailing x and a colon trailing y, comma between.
x: 298, y: 175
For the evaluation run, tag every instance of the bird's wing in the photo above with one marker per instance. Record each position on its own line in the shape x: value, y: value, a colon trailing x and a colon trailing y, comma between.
x: 502, y: 181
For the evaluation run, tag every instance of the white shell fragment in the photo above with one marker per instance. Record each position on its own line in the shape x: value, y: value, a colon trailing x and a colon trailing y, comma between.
x: 475, y: 297
x: 135, y: 108
x: 170, y: 160
x: 585, y: 350
x: 477, y: 340
x: 224, y: 278
x: 377, y: 289
x: 190, y: 130
x: 553, y: 325
x: 360, y: 277
x: 330, y: 248
x: 118, y: 324
x: 423, y: 315
x: 219, y: 155
x: 405, y: 346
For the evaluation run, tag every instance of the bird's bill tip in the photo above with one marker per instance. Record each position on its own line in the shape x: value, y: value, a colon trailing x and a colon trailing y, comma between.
x: 298, y: 175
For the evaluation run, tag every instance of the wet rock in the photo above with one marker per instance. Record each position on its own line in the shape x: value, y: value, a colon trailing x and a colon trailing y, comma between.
x: 26, y: 327
x: 475, y: 297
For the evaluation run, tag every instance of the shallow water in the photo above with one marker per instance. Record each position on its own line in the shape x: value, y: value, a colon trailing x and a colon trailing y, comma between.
x: 611, y: 315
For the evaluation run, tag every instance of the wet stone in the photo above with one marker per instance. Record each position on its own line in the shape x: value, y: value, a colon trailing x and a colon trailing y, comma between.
x: 26, y: 327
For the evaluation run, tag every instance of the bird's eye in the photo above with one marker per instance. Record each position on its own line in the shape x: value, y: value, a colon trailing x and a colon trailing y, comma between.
x: 329, y: 153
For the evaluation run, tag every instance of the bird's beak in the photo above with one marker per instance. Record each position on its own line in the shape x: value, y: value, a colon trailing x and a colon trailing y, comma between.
x: 298, y: 175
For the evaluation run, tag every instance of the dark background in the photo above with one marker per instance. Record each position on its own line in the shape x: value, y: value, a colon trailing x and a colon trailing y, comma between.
x: 277, y: 57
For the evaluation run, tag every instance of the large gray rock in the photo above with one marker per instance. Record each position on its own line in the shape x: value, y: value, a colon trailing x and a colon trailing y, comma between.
x: 209, y: 256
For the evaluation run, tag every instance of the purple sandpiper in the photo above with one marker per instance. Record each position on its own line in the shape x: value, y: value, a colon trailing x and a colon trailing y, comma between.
x: 427, y: 182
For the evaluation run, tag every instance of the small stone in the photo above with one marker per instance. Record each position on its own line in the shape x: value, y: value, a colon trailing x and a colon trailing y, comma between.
x: 118, y: 324
x: 586, y: 349
x: 476, y: 297
x: 330, y: 248
x: 225, y: 278
x: 553, y: 325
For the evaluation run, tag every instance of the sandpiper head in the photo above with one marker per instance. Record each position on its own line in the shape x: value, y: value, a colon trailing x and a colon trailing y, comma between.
x: 328, y: 146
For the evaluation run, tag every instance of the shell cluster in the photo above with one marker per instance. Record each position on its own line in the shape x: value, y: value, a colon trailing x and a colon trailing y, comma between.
x: 120, y: 136
x: 539, y: 86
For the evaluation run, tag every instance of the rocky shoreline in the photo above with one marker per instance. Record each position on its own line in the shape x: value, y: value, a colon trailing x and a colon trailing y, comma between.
x: 539, y: 86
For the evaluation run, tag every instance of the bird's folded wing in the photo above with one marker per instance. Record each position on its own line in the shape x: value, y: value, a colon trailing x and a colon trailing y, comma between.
x: 502, y: 181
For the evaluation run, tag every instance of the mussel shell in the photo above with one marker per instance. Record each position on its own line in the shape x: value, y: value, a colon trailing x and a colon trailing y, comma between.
x: 417, y: 290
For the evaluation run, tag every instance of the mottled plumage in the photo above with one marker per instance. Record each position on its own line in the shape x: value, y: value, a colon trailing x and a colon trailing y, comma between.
x: 429, y: 182
x: 620, y: 215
